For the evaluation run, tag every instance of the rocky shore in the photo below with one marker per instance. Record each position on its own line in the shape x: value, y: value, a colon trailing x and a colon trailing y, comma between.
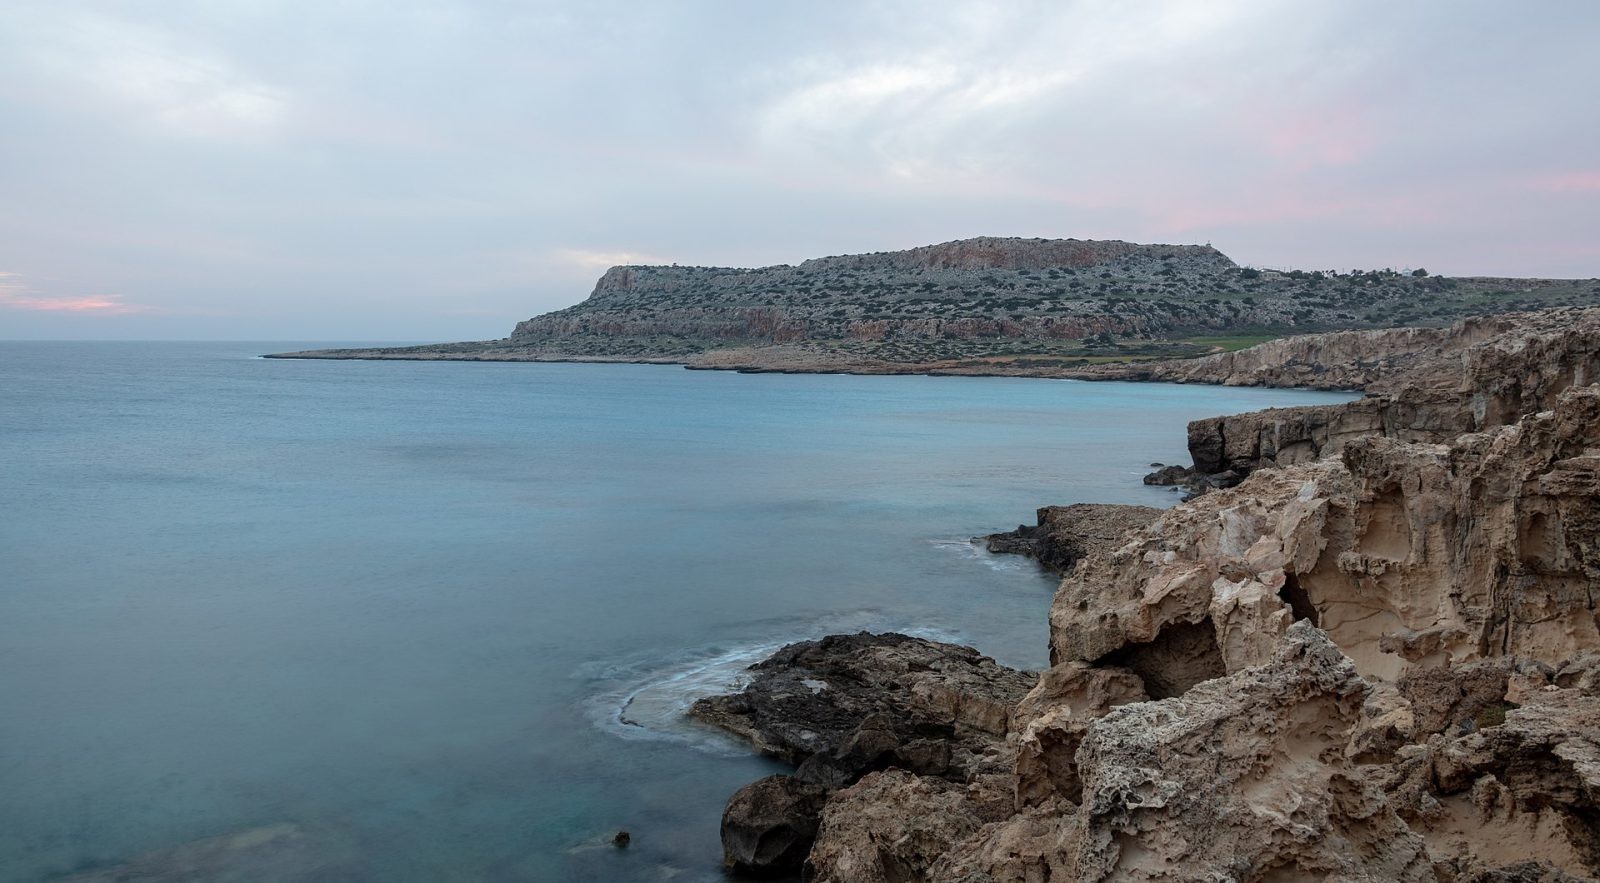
x: 1375, y: 657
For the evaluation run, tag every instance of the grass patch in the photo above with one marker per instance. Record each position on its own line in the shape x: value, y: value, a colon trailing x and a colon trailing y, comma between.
x: 1230, y: 343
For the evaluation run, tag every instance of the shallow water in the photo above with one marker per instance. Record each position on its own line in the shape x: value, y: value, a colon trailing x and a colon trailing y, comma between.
x: 438, y: 621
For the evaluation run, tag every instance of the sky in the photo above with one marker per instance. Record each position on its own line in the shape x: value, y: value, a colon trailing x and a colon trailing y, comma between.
x: 389, y: 170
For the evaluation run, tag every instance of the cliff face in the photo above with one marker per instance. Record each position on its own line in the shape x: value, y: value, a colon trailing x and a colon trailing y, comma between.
x: 1426, y: 385
x: 1056, y: 291
x: 1406, y: 554
x: 987, y: 287
x: 1377, y: 658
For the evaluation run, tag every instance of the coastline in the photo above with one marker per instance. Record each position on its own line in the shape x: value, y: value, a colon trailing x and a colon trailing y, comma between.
x: 1191, y: 657
x: 1128, y: 372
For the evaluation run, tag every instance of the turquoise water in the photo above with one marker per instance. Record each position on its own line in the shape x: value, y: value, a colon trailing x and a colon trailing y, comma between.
x: 401, y: 606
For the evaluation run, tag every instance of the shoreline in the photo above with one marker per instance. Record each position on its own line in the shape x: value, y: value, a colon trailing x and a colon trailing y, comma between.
x: 1318, y: 626
x: 1089, y: 374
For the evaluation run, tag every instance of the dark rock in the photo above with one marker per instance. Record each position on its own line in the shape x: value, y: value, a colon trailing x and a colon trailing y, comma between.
x: 1166, y: 476
x: 769, y: 825
x: 1065, y: 534
x: 622, y: 840
x: 815, y: 696
x: 847, y: 706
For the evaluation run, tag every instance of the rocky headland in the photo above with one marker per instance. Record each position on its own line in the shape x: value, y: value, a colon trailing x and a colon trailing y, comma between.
x: 1375, y: 657
x: 989, y: 305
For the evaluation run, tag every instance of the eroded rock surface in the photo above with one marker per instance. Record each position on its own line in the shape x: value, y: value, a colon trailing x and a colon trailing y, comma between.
x: 1376, y: 658
x: 769, y: 824
x: 1063, y: 535
x: 1423, y: 385
x: 1410, y: 555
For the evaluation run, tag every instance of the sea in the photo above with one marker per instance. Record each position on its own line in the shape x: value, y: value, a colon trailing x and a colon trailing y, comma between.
x: 440, y: 621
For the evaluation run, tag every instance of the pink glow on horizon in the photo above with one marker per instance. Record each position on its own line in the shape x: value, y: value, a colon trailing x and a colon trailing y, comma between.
x: 1569, y: 182
x: 16, y: 295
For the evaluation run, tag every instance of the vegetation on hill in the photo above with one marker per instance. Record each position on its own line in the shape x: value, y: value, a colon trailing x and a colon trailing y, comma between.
x: 1019, y: 302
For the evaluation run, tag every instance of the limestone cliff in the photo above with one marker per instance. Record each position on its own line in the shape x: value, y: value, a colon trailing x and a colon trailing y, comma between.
x: 1426, y: 385
x: 1377, y: 658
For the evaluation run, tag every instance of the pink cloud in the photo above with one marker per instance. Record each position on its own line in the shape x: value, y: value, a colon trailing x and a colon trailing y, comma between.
x: 1568, y: 182
x: 17, y: 295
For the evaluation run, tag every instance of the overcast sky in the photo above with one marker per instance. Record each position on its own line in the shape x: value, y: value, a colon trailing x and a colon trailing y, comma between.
x: 387, y: 170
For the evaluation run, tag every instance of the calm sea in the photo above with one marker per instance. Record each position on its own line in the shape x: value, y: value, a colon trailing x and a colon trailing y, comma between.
x: 394, y: 621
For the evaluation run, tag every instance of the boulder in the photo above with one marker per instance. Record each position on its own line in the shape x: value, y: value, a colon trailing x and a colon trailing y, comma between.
x: 813, y: 697
x: 768, y: 825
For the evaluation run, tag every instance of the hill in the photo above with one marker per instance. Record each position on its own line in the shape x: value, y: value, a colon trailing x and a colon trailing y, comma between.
x: 985, y: 305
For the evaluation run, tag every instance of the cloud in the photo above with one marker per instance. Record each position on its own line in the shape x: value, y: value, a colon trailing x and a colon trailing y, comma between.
x: 361, y: 169
x: 164, y: 79
x: 14, y: 293
x: 1568, y: 182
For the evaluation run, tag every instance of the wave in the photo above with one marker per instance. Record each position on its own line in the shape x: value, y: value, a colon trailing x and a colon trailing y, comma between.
x: 650, y: 701
x: 973, y: 551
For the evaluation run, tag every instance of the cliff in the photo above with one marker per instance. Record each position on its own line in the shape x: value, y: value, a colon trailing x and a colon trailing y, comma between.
x: 1376, y: 658
x: 1424, y: 385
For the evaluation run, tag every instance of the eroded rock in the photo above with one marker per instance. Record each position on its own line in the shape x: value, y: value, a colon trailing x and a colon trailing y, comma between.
x: 1376, y: 658
x: 1065, y: 534
x: 1242, y: 778
x: 768, y: 825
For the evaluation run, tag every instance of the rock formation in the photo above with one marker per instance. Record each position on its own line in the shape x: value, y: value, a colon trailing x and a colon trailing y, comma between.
x: 1376, y: 658
x: 848, y: 705
x: 1065, y: 534
x: 1427, y: 385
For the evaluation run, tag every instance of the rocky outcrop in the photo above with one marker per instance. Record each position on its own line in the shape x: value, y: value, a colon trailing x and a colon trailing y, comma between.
x: 1521, y: 787
x: 1409, y: 555
x: 1375, y: 658
x: 769, y: 825
x: 814, y: 697
x: 1065, y: 534
x: 1425, y: 385
x: 894, y: 826
x: 1335, y: 360
x: 1253, y: 777
x: 1244, y: 775
x: 846, y: 706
